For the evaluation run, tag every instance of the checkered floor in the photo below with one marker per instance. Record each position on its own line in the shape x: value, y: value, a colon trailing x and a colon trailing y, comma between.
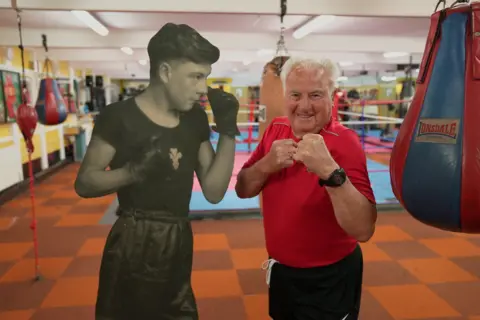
x: 411, y: 271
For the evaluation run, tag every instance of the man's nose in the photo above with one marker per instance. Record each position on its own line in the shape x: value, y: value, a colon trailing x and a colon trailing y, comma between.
x: 202, y: 89
x: 304, y: 103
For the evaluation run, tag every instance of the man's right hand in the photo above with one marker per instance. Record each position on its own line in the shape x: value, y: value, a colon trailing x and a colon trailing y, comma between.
x: 281, y: 154
x: 146, y: 160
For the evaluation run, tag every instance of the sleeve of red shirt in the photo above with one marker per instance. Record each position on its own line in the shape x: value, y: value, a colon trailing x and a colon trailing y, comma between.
x: 259, y: 151
x: 354, y: 162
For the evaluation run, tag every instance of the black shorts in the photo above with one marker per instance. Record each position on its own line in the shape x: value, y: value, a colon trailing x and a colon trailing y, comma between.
x: 323, y: 293
x: 146, y: 269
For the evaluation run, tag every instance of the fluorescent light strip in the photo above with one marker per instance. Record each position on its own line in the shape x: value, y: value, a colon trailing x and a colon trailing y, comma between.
x: 91, y: 22
x: 127, y: 50
x: 346, y: 64
x: 142, y: 62
x: 388, y: 78
x: 313, y: 25
x: 390, y: 55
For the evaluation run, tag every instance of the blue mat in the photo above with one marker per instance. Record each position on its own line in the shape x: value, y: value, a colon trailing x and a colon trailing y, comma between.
x: 380, y: 185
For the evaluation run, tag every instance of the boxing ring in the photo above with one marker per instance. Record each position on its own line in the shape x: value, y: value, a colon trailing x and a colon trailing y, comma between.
x: 376, y: 144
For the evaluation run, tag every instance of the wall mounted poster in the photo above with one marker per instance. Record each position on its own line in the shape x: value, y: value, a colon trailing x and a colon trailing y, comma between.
x: 12, y: 93
x: 3, y: 110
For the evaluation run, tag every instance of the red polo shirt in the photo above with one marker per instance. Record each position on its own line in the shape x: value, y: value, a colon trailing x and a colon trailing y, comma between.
x: 300, y: 226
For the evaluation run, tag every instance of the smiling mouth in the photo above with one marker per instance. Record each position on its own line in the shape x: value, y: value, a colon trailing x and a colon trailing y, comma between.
x: 304, y: 116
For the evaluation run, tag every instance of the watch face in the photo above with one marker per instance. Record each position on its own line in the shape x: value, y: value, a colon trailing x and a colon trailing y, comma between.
x: 337, y: 179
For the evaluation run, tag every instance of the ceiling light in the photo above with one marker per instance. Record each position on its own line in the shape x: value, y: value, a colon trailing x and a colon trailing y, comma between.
x: 90, y: 21
x: 313, y: 25
x: 127, y: 50
x: 246, y: 63
x: 235, y: 70
x: 395, y: 54
x: 142, y: 62
x: 342, y: 78
x: 265, y: 52
x: 346, y: 64
x: 388, y: 78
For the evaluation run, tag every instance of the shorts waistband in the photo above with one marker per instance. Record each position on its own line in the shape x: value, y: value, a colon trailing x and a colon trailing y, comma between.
x: 152, y: 215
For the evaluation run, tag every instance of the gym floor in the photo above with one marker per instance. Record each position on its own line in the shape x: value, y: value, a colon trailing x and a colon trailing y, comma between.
x: 412, y: 271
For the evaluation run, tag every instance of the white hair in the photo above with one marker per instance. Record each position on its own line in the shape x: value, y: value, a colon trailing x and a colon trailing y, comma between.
x: 311, y: 64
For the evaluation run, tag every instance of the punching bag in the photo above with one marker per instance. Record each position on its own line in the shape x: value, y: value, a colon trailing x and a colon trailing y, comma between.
x: 271, y: 92
x: 50, y: 105
x: 435, y: 161
x: 27, y: 121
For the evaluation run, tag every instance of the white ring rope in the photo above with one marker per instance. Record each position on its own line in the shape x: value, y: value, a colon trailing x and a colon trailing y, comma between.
x: 369, y: 116
x: 239, y: 112
x: 241, y: 124
x: 247, y: 124
x: 367, y: 122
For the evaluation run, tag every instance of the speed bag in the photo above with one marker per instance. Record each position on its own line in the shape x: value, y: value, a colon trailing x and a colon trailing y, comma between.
x: 50, y: 105
x: 271, y: 92
x: 435, y: 161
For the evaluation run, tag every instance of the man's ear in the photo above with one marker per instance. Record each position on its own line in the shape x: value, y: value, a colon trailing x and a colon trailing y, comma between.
x: 165, y: 72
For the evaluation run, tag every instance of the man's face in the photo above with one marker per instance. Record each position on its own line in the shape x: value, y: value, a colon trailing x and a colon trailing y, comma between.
x: 187, y: 82
x: 308, y: 101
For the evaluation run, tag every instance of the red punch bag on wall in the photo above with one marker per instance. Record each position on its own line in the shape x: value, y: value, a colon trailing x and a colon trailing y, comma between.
x: 50, y: 105
x: 435, y: 161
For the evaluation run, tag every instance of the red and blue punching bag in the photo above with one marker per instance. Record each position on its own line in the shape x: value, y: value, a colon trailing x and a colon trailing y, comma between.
x: 435, y: 161
x: 50, y: 105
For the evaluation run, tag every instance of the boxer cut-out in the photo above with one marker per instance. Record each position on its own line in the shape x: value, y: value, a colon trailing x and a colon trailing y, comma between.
x: 435, y: 167
x: 154, y: 145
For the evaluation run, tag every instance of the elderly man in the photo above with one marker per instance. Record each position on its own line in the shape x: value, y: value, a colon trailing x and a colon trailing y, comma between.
x: 317, y: 200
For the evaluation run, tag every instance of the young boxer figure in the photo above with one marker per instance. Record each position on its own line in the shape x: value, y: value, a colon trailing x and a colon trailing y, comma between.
x: 153, y: 144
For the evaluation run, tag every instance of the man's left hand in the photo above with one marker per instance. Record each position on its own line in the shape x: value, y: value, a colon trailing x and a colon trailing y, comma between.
x: 225, y: 109
x: 313, y: 153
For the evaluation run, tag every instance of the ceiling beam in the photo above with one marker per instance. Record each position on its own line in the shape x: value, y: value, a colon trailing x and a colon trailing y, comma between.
x: 85, y: 38
x: 373, y: 8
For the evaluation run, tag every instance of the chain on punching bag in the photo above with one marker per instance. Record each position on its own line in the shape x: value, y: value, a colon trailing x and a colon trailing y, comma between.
x: 50, y: 105
x: 271, y: 88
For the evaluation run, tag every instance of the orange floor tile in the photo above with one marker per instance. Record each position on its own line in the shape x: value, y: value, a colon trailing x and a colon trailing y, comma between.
x: 411, y: 271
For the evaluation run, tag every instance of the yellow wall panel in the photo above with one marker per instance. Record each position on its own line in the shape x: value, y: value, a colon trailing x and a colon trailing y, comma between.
x: 53, y: 141
x: 6, y: 144
x: 5, y: 130
x: 36, y: 153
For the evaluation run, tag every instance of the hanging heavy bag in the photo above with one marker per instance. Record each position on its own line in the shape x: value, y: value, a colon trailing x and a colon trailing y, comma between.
x: 271, y: 92
x: 50, y: 105
x: 435, y: 161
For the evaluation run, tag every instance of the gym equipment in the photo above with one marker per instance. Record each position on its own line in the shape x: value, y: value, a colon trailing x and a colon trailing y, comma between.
x: 271, y: 88
x: 50, y: 105
x: 27, y: 122
x: 434, y: 166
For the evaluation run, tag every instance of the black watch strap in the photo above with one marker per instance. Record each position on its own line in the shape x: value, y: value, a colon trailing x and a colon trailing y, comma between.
x: 336, y: 179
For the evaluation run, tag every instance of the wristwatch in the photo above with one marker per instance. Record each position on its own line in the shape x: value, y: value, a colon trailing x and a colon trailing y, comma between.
x: 336, y: 179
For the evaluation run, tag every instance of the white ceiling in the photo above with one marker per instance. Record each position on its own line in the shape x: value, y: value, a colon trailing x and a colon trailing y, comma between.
x: 370, y: 35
